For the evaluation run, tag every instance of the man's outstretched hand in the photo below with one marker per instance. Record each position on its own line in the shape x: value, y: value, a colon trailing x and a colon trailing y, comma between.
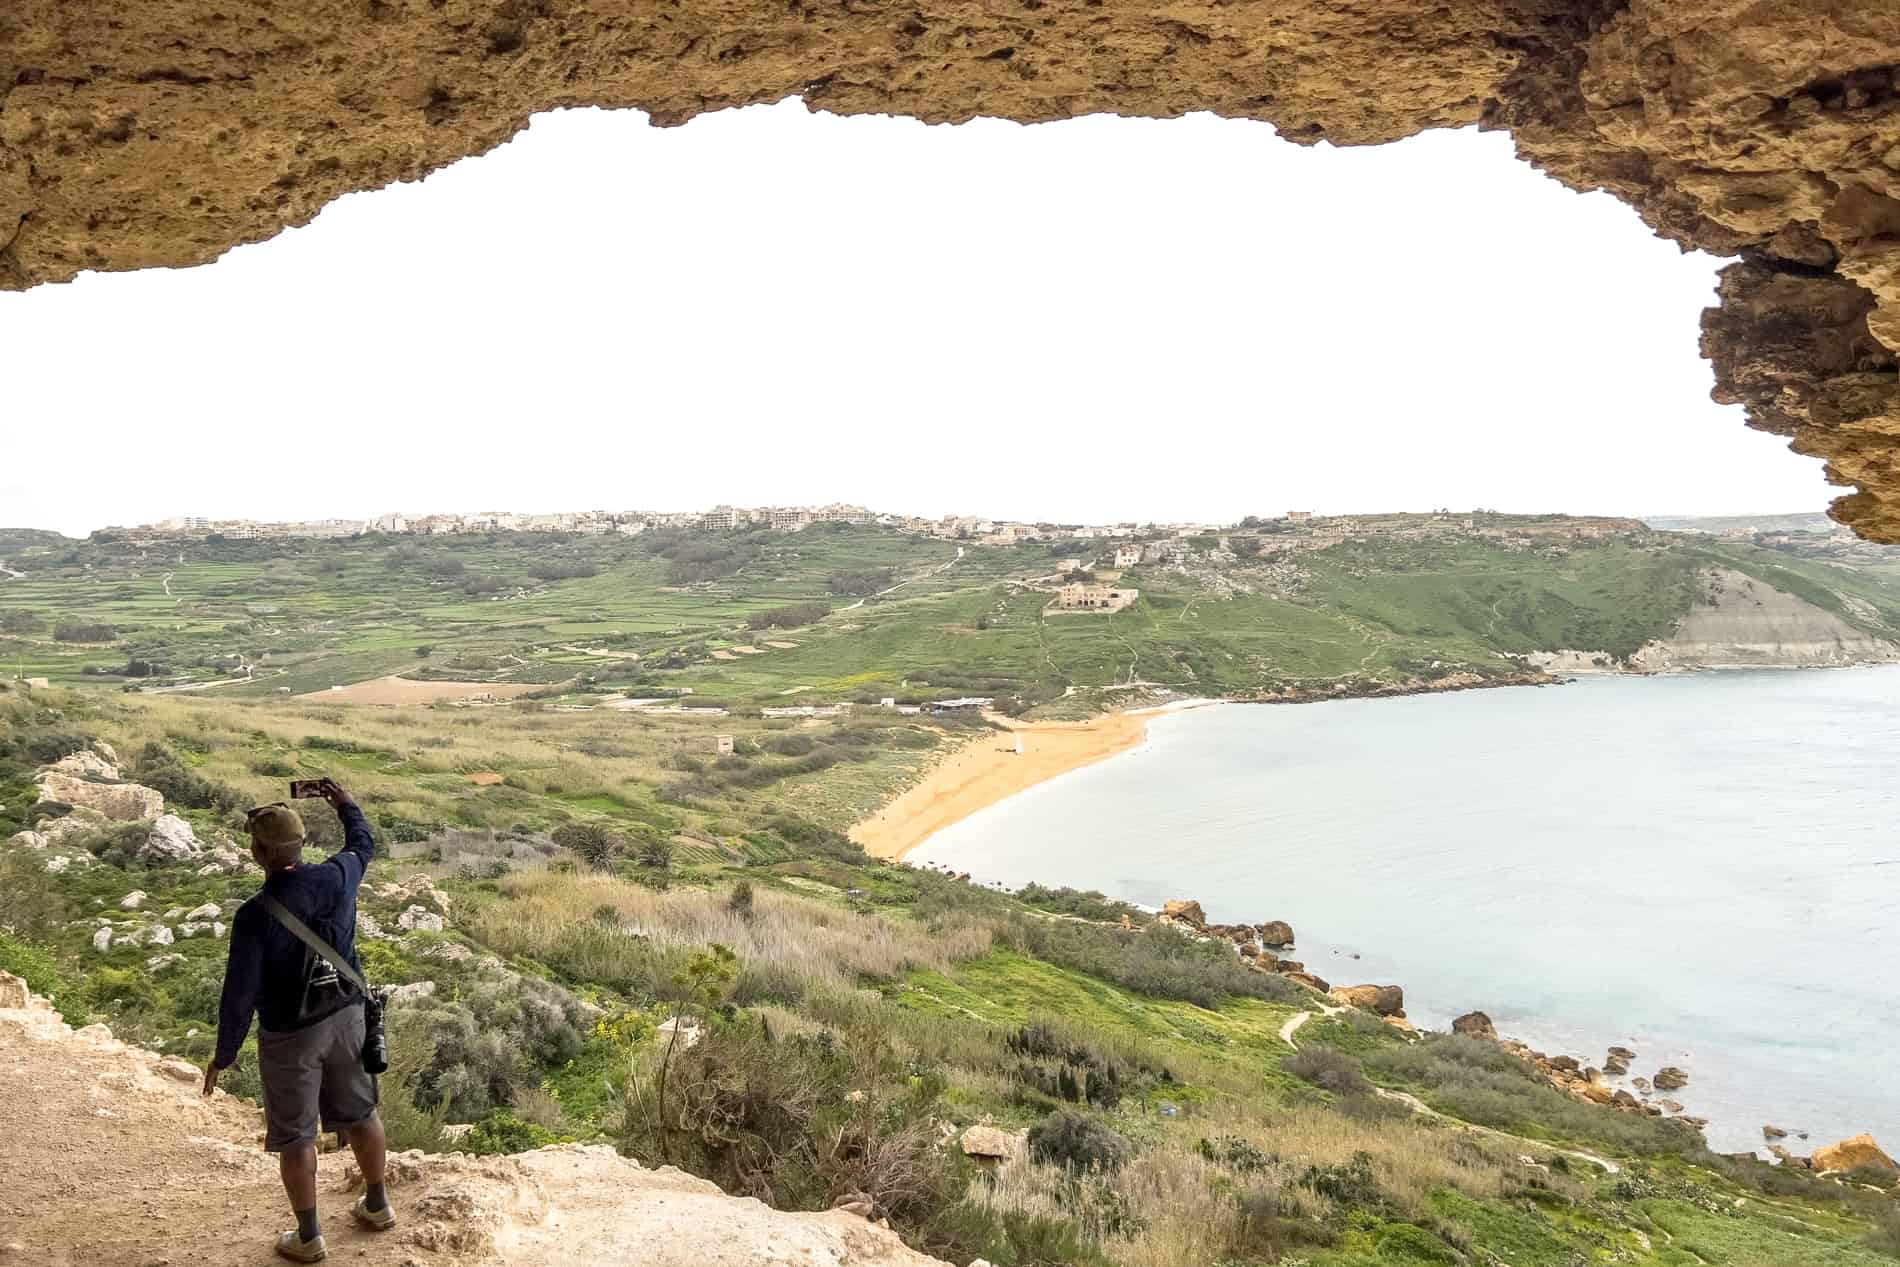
x: 333, y: 792
x: 212, y: 1070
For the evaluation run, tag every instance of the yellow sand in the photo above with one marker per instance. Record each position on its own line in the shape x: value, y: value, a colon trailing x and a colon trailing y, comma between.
x: 987, y: 769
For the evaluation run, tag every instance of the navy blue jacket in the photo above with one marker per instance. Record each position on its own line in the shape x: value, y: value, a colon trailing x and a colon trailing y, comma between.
x: 265, y: 973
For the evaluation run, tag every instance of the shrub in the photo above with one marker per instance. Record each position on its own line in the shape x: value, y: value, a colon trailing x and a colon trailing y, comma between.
x: 1158, y: 961
x: 503, y: 1132
x: 1077, y: 1142
x: 739, y: 901
x: 1328, y: 1070
x: 83, y: 631
x: 655, y: 851
x: 158, y: 767
x: 791, y: 616
x: 594, y: 844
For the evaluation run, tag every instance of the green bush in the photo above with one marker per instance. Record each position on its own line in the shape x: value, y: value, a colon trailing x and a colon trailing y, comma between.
x: 1158, y: 961
x: 159, y: 768
x: 1077, y: 1142
x: 503, y: 1132
x: 1328, y: 1070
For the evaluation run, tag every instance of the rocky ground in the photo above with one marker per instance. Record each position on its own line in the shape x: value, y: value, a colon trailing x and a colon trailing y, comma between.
x: 112, y: 1156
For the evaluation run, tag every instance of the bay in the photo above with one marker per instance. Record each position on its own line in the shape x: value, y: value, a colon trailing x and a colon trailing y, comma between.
x: 1704, y: 868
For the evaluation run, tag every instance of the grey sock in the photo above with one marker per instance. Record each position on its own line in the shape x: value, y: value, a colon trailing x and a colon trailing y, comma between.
x: 307, y: 1227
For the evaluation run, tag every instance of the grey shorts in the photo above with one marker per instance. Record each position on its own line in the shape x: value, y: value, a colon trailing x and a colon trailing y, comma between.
x: 314, y: 1074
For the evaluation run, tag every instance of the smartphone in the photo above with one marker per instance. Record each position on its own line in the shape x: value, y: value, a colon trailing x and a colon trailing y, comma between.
x: 300, y: 788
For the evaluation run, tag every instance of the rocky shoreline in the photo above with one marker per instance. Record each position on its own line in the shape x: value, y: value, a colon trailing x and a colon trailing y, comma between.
x: 1258, y: 946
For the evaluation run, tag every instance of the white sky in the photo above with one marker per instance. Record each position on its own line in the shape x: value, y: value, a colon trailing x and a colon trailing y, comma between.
x: 1093, y: 320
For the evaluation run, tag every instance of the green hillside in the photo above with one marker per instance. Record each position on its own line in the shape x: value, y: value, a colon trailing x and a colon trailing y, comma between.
x: 835, y: 612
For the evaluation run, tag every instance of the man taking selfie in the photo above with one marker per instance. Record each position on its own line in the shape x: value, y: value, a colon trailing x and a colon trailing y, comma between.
x: 310, y: 1008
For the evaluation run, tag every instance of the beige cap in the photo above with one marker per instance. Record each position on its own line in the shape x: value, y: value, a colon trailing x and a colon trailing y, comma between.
x: 275, y: 824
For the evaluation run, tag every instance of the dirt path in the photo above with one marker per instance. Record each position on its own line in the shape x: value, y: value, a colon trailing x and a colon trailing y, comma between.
x: 109, y: 1161
x: 1292, y: 1027
x: 906, y: 581
x: 1423, y: 1109
x: 401, y: 690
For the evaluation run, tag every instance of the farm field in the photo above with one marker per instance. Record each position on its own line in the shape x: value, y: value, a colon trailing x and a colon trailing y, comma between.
x: 841, y: 614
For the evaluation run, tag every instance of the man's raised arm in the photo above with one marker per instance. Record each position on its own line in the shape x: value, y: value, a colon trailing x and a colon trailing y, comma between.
x: 359, y: 846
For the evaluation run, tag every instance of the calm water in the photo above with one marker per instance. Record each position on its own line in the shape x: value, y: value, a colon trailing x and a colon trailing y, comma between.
x: 1702, y: 868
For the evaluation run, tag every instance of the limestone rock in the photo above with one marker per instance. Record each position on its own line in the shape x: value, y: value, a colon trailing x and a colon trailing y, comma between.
x: 1616, y: 1064
x: 171, y: 840
x: 416, y: 918
x: 1308, y: 980
x: 1669, y: 1078
x: 1186, y: 911
x: 1849, y: 1154
x: 121, y: 802
x: 210, y: 910
x: 1276, y: 934
x: 1475, y: 1025
x: 1761, y: 131
x: 133, y: 900
x: 158, y: 935
x: 368, y: 927
x: 411, y: 994
x: 990, y: 1144
x: 13, y: 991
x: 84, y: 764
x: 182, y: 1070
x: 1386, y: 1000
x: 158, y: 963
x: 1773, y: 1132
x: 28, y: 840
x: 102, y: 940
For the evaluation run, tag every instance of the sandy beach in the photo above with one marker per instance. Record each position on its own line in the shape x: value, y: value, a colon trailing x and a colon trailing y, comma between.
x: 987, y: 769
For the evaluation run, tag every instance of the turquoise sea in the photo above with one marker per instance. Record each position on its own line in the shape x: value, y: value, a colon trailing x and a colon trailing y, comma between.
x: 1704, y: 868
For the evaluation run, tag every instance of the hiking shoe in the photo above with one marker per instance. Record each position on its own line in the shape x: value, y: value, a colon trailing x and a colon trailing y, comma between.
x: 375, y: 1220
x: 298, y: 1250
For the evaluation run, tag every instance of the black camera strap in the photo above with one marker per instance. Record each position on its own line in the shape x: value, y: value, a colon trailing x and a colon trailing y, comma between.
x: 309, y: 938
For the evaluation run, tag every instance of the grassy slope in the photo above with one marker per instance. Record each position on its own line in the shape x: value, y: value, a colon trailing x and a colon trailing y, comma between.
x: 309, y: 615
x: 1440, y: 1194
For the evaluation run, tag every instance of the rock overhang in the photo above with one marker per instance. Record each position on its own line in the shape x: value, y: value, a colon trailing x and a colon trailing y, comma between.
x: 163, y: 134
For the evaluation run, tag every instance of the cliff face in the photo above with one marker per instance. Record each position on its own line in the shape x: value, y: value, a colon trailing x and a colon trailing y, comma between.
x: 1740, y: 622
x: 164, y: 133
x: 111, y: 1155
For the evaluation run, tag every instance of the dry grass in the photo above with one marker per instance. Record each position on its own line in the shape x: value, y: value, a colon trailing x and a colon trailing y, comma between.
x: 1192, y: 1207
x: 602, y: 928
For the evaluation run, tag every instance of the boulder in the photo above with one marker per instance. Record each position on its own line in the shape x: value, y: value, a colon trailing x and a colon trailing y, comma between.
x: 1276, y: 934
x: 1475, y: 1025
x: 1187, y: 911
x: 133, y: 900
x: 990, y: 1144
x: 158, y: 963
x: 123, y: 802
x: 1565, y: 1064
x: 84, y: 764
x: 1787, y: 1158
x: 1622, y: 1053
x: 158, y: 935
x: 210, y: 910
x: 1400, y: 1024
x: 412, y: 994
x: 1773, y: 1132
x: 1308, y: 980
x: 1641, y: 1084
x: 29, y: 840
x: 102, y: 940
x: 366, y: 926
x: 1624, y: 1100
x: 1849, y: 1154
x: 1669, y: 1078
x: 13, y: 991
x: 58, y: 864
x: 416, y: 918
x: 1386, y: 1000
x: 1670, y: 1106
x: 1596, y: 1093
x: 1615, y: 1064
x: 171, y: 840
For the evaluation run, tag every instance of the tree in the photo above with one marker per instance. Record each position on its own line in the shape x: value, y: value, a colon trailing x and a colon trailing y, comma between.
x: 424, y: 650
x: 19, y: 620
x: 702, y: 983
x: 592, y: 843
